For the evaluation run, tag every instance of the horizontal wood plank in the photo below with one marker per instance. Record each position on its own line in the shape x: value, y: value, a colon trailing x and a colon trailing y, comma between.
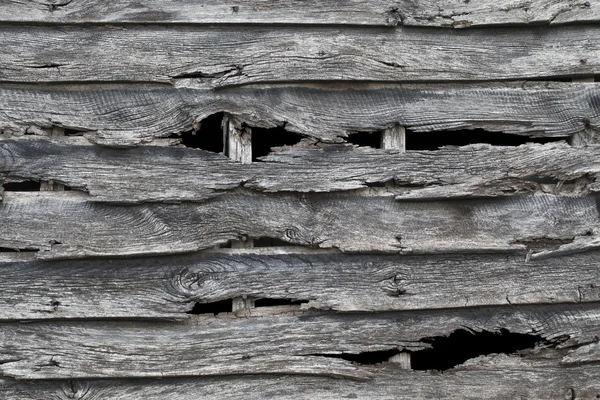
x: 66, y: 224
x: 158, y: 173
x: 220, y: 56
x: 442, y: 13
x: 167, y: 287
x: 288, y: 344
x: 123, y: 115
x: 495, y: 377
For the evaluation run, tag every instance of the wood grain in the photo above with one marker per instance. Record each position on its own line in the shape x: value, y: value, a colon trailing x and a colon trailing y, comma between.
x: 65, y: 224
x: 443, y: 13
x: 154, y: 173
x: 166, y: 287
x: 284, y: 343
x: 218, y: 56
x: 493, y: 377
x: 125, y: 115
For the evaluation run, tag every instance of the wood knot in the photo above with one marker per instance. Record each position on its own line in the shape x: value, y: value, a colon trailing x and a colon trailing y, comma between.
x: 393, y: 286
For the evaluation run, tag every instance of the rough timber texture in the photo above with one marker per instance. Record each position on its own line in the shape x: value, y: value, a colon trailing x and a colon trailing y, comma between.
x: 291, y: 343
x: 229, y: 55
x: 166, y: 287
x: 443, y: 13
x: 347, y: 222
x: 156, y: 173
x: 496, y: 377
x: 121, y: 115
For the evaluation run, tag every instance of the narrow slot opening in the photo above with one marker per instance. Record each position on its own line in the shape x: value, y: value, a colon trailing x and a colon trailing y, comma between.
x: 277, y: 302
x: 461, y: 345
x: 365, y: 139
x: 214, y: 308
x: 270, y: 242
x: 24, y: 186
x: 437, y: 139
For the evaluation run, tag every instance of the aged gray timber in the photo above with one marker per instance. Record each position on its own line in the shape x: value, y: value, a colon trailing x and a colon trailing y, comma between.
x: 498, y: 377
x: 291, y: 343
x: 154, y: 173
x: 232, y: 55
x: 165, y: 287
x: 129, y: 114
x: 348, y: 222
x: 444, y: 13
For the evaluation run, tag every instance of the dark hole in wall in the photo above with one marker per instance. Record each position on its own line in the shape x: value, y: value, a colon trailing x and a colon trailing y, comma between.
x: 365, y: 357
x: 263, y: 140
x: 277, y: 302
x: 208, y: 135
x: 461, y: 345
x: 365, y: 139
x: 212, y: 308
x: 73, y: 132
x: 436, y: 139
x: 10, y: 250
x: 25, y: 186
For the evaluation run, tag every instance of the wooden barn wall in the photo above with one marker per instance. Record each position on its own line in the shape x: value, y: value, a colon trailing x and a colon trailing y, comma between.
x: 299, y: 200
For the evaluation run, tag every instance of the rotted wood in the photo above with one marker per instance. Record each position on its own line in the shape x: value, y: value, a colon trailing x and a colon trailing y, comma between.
x: 167, y: 287
x: 327, y: 112
x: 344, y: 221
x: 284, y: 343
x: 218, y: 56
x: 155, y: 173
x: 443, y: 13
x: 498, y: 377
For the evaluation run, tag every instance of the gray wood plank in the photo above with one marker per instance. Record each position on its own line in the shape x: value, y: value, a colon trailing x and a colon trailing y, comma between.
x: 348, y: 222
x: 149, y: 174
x: 443, y: 13
x: 493, y: 377
x: 123, y: 115
x: 220, y: 56
x: 166, y: 287
x: 288, y: 343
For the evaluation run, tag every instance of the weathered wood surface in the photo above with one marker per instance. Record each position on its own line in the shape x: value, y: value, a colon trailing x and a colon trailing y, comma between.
x: 166, y: 287
x: 292, y: 343
x: 347, y: 222
x: 443, y: 13
x: 128, y: 114
x: 493, y: 377
x: 156, y: 173
x: 230, y: 55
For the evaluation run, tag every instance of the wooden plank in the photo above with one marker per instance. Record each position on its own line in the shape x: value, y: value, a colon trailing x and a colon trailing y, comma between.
x: 504, y: 378
x: 443, y: 13
x: 347, y: 222
x: 217, y: 56
x: 125, y: 115
x: 167, y: 287
x: 157, y: 173
x: 288, y: 343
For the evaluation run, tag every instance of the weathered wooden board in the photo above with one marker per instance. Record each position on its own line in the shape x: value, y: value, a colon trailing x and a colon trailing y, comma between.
x: 65, y: 224
x: 291, y: 343
x: 444, y: 13
x: 171, y: 174
x: 233, y: 55
x: 166, y: 287
x: 493, y: 377
x: 128, y: 114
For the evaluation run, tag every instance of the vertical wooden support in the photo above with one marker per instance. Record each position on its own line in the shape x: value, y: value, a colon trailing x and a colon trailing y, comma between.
x: 394, y: 138
x: 403, y: 359
x: 51, y: 186
x: 238, y: 146
x: 587, y: 136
